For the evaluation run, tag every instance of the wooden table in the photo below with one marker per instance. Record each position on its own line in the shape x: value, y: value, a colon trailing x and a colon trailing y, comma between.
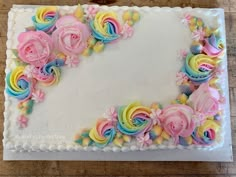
x: 83, y: 168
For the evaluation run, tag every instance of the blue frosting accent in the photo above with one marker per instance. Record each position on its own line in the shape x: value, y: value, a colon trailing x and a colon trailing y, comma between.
x: 182, y: 141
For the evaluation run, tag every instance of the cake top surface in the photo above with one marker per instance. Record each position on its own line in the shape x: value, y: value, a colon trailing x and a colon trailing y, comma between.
x: 116, y: 76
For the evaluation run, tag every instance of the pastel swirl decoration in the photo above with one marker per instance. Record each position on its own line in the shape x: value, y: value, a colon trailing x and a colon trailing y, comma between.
x: 18, y: 85
x: 206, y: 133
x: 134, y: 119
x: 106, y: 27
x: 50, y: 73
x: 103, y: 133
x: 199, y: 68
x: 45, y: 18
x: 213, y: 46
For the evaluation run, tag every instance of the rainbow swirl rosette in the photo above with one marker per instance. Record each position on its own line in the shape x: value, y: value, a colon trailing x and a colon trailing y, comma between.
x: 177, y: 120
x: 18, y: 85
x: 45, y: 18
x: 134, y: 119
x: 106, y: 27
x: 213, y: 46
x: 103, y: 133
x: 50, y: 73
x: 199, y: 68
x: 206, y: 133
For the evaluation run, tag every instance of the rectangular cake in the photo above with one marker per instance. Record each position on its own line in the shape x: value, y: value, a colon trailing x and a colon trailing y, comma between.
x: 115, y: 78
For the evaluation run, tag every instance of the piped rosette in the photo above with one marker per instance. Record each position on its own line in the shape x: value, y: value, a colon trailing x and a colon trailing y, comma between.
x: 18, y: 85
x: 206, y: 133
x: 103, y: 133
x: 205, y: 101
x: 106, y: 27
x: 199, y: 68
x: 177, y: 120
x: 45, y: 18
x: 211, y: 46
x: 134, y: 119
x: 50, y: 73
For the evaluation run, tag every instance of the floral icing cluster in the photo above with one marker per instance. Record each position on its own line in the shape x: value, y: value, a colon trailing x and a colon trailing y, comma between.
x: 194, y: 117
x: 54, y: 41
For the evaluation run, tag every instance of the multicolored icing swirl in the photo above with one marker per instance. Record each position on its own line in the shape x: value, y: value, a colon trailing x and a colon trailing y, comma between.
x: 18, y: 85
x: 103, y: 133
x: 105, y: 27
x: 45, y: 18
x: 199, y: 68
x: 134, y: 119
x: 49, y: 74
x: 206, y: 133
x: 213, y: 46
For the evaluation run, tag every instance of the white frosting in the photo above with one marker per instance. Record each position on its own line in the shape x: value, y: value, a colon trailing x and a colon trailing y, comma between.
x: 140, y: 68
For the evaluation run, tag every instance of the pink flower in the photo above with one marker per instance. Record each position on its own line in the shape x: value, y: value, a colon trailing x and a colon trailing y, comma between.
x: 72, y: 61
x: 205, y: 100
x: 22, y: 121
x: 198, y: 35
x: 34, y: 47
x: 182, y: 54
x: 71, y: 35
x: 111, y: 114
x: 127, y: 31
x: 91, y: 11
x: 155, y: 116
x: 177, y: 120
x: 38, y: 96
x: 144, y: 140
x: 186, y: 19
x: 29, y: 71
x: 181, y: 78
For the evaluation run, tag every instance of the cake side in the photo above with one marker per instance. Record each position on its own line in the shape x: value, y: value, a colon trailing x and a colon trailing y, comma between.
x: 54, y: 142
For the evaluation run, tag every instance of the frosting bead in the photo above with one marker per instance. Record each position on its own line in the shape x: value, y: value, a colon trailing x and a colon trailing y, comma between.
x: 196, y: 48
x: 18, y: 85
x: 26, y: 107
x: 135, y: 16
x: 127, y: 15
x: 45, y: 18
x: 98, y: 47
x: 134, y: 119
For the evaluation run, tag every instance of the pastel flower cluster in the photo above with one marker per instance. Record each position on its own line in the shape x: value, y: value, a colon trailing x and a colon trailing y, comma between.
x: 192, y: 118
x: 53, y: 42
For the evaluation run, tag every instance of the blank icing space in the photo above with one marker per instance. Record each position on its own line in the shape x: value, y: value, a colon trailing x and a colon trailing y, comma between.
x: 142, y: 68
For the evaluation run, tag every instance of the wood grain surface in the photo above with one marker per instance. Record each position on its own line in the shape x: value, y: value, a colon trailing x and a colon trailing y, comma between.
x: 167, y: 169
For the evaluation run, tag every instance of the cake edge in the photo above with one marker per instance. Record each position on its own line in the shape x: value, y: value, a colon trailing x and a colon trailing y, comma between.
x: 9, y: 143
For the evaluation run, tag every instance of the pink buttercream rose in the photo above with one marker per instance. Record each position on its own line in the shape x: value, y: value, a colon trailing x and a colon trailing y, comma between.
x: 205, y: 100
x: 177, y: 120
x: 34, y: 47
x: 71, y: 35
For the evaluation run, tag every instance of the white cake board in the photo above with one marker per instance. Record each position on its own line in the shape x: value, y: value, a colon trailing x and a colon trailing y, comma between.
x: 222, y: 154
